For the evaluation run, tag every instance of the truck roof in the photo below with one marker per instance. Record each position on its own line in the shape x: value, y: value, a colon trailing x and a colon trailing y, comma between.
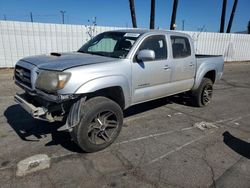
x: 143, y: 31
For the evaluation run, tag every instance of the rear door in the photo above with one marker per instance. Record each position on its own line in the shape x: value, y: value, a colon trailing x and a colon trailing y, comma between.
x: 149, y: 78
x: 184, y: 65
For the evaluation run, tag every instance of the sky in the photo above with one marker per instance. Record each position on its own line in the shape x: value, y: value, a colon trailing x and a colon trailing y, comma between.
x: 196, y: 14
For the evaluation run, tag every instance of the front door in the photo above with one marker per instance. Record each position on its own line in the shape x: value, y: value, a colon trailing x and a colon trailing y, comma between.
x: 149, y: 78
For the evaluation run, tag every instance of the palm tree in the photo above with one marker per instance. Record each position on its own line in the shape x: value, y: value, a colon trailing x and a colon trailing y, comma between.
x: 248, y: 27
x: 132, y: 11
x: 223, y: 14
x: 173, y: 18
x: 152, y: 15
x: 232, y: 16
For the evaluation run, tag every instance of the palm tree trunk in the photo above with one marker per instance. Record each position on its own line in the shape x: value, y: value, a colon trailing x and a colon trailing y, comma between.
x: 232, y: 16
x: 152, y: 15
x: 173, y: 18
x: 248, y: 27
x: 132, y: 11
x: 223, y: 14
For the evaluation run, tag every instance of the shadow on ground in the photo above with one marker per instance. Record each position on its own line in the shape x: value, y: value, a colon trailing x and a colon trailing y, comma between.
x: 239, y: 146
x: 31, y: 130
x: 182, y: 99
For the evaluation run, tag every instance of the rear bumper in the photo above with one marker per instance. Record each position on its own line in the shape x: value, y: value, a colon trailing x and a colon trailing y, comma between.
x: 34, y: 111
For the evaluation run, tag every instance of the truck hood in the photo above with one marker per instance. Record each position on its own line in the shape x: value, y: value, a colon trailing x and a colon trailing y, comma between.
x: 63, y: 61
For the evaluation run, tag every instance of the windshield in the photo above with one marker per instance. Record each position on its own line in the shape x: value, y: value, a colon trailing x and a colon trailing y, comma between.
x: 110, y: 44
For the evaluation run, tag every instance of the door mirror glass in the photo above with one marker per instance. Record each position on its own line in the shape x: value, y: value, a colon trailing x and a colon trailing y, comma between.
x: 146, y: 55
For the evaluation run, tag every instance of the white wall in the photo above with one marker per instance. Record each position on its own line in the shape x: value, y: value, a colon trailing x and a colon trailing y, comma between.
x: 234, y: 47
x: 20, y: 39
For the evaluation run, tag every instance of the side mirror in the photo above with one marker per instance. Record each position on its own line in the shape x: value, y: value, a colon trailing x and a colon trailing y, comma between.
x: 146, y: 55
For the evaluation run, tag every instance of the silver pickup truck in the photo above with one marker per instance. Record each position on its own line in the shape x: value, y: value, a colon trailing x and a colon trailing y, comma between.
x: 90, y: 88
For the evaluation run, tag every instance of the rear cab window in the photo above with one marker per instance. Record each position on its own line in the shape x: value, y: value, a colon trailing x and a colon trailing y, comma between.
x: 180, y: 47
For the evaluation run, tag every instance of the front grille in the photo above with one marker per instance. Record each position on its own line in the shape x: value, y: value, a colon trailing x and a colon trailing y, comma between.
x: 23, y: 76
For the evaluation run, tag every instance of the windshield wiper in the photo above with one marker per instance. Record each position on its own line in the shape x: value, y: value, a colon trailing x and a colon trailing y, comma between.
x: 92, y: 53
x: 96, y: 53
x: 79, y: 51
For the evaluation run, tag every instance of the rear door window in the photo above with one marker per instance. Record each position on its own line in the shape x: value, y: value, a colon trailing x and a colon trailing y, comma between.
x: 180, y: 47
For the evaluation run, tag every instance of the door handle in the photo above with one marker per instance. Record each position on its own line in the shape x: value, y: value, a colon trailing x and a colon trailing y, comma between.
x: 166, y: 67
x: 191, y: 64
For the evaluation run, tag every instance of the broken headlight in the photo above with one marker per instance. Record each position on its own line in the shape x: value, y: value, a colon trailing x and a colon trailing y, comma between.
x: 52, y: 81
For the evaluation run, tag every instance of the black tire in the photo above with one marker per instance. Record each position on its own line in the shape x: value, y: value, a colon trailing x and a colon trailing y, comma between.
x: 203, y: 94
x: 101, y: 120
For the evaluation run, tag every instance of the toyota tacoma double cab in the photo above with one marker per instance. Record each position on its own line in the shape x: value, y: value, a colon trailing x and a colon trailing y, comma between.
x: 89, y: 89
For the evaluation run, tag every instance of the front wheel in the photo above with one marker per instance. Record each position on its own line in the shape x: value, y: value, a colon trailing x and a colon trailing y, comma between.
x: 203, y: 94
x: 100, y: 124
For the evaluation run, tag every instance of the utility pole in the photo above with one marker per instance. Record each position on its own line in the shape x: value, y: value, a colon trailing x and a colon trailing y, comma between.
x: 223, y: 14
x: 31, y: 17
x: 62, y: 12
x: 173, y: 18
x: 132, y: 12
x: 232, y: 16
x: 94, y: 21
x: 183, y: 25
x: 152, y: 15
x: 4, y: 17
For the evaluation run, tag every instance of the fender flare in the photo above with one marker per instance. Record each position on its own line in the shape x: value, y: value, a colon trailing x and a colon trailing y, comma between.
x: 201, y: 72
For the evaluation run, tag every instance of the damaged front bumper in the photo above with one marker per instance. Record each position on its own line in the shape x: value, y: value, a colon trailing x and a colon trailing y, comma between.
x: 35, y: 111
x: 71, y: 108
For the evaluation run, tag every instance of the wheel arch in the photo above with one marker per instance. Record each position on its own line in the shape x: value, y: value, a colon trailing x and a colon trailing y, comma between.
x: 205, y: 72
x: 116, y: 88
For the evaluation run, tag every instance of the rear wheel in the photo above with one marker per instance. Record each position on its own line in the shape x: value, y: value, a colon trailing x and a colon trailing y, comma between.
x: 100, y: 124
x: 203, y: 94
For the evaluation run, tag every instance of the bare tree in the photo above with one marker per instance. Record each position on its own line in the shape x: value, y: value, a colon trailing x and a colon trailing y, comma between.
x: 132, y: 11
x: 152, y: 15
x: 91, y: 28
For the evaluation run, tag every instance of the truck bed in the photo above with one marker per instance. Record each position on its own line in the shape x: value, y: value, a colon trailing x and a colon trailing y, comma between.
x: 205, y: 56
x: 206, y: 60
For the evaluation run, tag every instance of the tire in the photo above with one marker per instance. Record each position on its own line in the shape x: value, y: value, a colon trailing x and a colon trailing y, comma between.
x: 100, y: 124
x: 203, y: 94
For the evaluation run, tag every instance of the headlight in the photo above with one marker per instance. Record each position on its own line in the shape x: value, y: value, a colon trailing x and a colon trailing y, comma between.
x: 52, y: 80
